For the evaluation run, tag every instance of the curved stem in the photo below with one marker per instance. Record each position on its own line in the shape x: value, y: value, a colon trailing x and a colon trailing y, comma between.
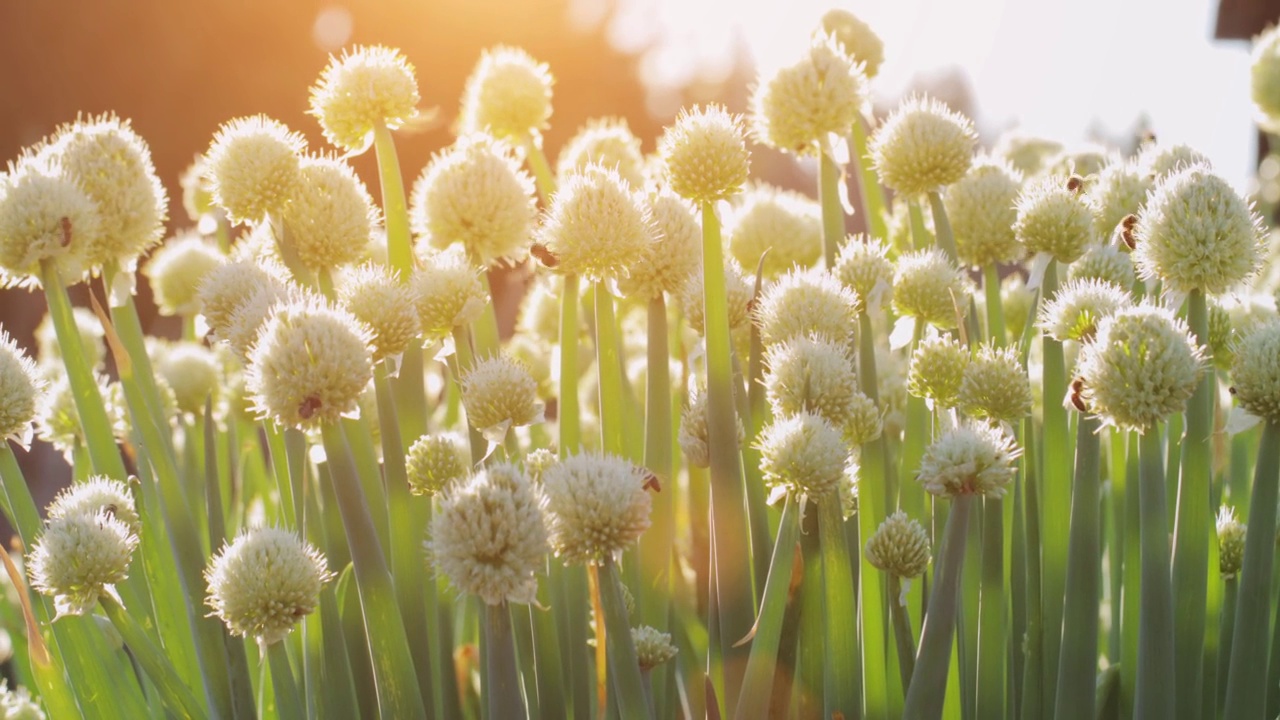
x: 394, y: 208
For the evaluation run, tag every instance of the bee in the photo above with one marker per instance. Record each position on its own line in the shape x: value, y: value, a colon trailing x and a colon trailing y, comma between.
x: 651, y: 481
x: 308, y: 407
x: 1076, y: 396
x: 65, y: 225
x: 544, y: 255
x: 1126, y: 230
x: 1075, y: 183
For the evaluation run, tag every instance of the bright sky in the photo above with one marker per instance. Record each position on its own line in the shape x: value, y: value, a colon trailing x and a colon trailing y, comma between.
x: 1052, y: 68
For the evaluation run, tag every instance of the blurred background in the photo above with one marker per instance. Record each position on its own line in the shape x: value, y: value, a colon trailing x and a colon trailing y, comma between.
x: 1073, y: 71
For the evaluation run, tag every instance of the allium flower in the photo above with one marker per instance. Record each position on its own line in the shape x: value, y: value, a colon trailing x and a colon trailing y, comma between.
x: 1104, y: 262
x: 44, y: 216
x: 981, y: 209
x: 330, y: 215
x: 1231, y: 318
x: 436, y: 461
x: 922, y: 146
x: 1054, y: 218
x: 98, y: 494
x: 857, y: 37
x: 704, y: 154
x: 866, y: 421
x: 938, y: 367
x: 377, y: 298
x: 1086, y: 161
x: 900, y: 546
x: 1027, y: 154
x: 596, y: 506
x: 112, y: 165
x: 930, y: 288
x: 1075, y: 311
x: 538, y: 461
x: 973, y: 458
x: 1141, y: 367
x: 488, y: 537
x: 88, y: 327
x: 58, y: 420
x: 803, y: 454
x: 370, y: 85
x: 738, y: 287
x: 1231, y: 534
x: 241, y: 331
x: 864, y: 267
x: 176, y: 271
x: 694, y: 435
x: 508, y: 95
x: 226, y: 288
x: 450, y: 292
x: 669, y: 263
x: 194, y: 374
x: 995, y: 385
x: 20, y: 391
x: 824, y: 92
x: 197, y: 191
x: 607, y: 142
x: 498, y: 393
x: 597, y: 225
x: 802, y: 302
x: 1264, y: 78
x: 254, y: 167
x: 811, y: 374
x: 309, y: 364
x: 80, y: 557
x: 1255, y: 374
x: 1160, y: 161
x: 475, y: 193
x: 264, y: 582
x: 1120, y: 190
x: 785, y: 223
x: 540, y: 310
x: 17, y: 704
x: 1197, y: 233
x: 653, y: 647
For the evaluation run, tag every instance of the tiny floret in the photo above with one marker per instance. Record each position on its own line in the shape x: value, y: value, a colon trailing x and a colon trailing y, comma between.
x: 1255, y: 374
x: 784, y: 223
x: 995, y: 386
x: 330, y: 216
x: 377, y: 298
x: 597, y: 225
x: 1075, y: 311
x: 80, y: 557
x: 981, y: 209
x: 607, y: 142
x: 1231, y: 534
x: 367, y: 87
x: 824, y: 92
x: 922, y: 146
x: 450, y: 292
x: 596, y: 506
x: 1053, y: 219
x: 264, y: 582
x: 176, y: 271
x: 928, y: 286
x: 803, y: 302
x: 254, y: 166
x: 508, y: 95
x: 21, y: 390
x: 704, y: 154
x: 938, y: 367
x: 857, y: 37
x: 498, y: 393
x: 653, y: 647
x: 803, y: 454
x: 973, y: 458
x: 900, y: 547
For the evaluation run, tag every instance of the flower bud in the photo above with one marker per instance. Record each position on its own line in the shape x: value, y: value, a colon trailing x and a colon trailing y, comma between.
x: 653, y: 647
x: 864, y: 267
x: 970, y: 459
x: 596, y: 225
x: 538, y: 462
x: 803, y: 302
x: 45, y: 216
x: 330, y: 215
x: 227, y: 288
x: 1053, y: 219
x: 79, y: 557
x: 900, y: 547
x: 377, y: 298
x: 738, y: 288
x: 938, y: 367
x: 1160, y: 161
x: 437, y: 461
x: 508, y: 95
x: 607, y: 142
x: 498, y: 393
x: 981, y: 209
x: 811, y: 374
x: 1231, y: 533
x: 20, y: 391
x: 97, y: 494
x: 1104, y: 262
x: 368, y: 86
x: 804, y: 454
x: 859, y: 40
x: 995, y: 386
x: 824, y: 92
x: 193, y: 373
x: 1075, y: 311
x: 704, y: 154
x: 668, y: 264
x: 1120, y: 190
x: 176, y: 271
x: 254, y: 167
x: 786, y: 224
x: 922, y: 146
x: 930, y: 288
x: 596, y: 506
x: 1255, y: 374
x: 450, y: 292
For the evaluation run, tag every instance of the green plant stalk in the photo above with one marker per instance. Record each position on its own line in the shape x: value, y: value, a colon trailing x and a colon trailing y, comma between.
x: 874, y: 478
x: 394, y: 209
x: 624, y: 668
x: 542, y: 175
x: 1032, y: 697
x: 1226, y: 627
x: 417, y: 602
x: 735, y: 592
x: 1078, y: 660
x: 1152, y: 698
x: 995, y: 306
x: 1191, y: 533
x: 1058, y: 460
x: 968, y: 617
x: 811, y: 637
x: 869, y: 189
x: 398, y: 693
x: 945, y: 239
x: 991, y: 615
x: 656, y: 545
x: 1273, y: 671
x: 928, y: 687
x: 609, y: 371
x: 460, y: 363
x: 1248, y: 675
x: 839, y: 687
x: 1017, y: 596
x: 832, y: 210
x: 177, y: 696
x: 1116, y: 543
x: 757, y: 683
x: 754, y: 486
x: 501, y: 681
x: 411, y: 389
x: 552, y: 681
x: 288, y: 701
x: 903, y: 635
x: 568, y: 417
x: 1132, y: 592
x: 920, y: 239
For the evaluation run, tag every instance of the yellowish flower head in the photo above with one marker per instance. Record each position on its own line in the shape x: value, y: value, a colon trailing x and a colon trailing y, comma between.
x: 857, y: 37
x: 508, y: 95
x: 194, y: 374
x: 488, y: 536
x: 450, y: 292
x: 995, y: 386
x: 928, y: 286
x: 1075, y: 311
x: 377, y: 298
x: 1141, y: 367
x: 44, y: 216
x: 1159, y: 161
x: 1255, y: 374
x: 824, y: 92
x: 88, y: 327
x: 596, y: 506
x: 231, y: 287
x: 1054, y: 218
x: 738, y: 287
x: 785, y: 223
x: 667, y: 264
x: 1018, y: 301
x: 255, y: 167
x: 475, y: 193
x: 1231, y: 535
x: 1086, y: 161
x: 498, y: 392
x: 922, y: 146
x: 1231, y: 318
x: 97, y: 494
x: 804, y: 302
x: 900, y: 546
x: 981, y: 209
x: 1027, y: 154
x: 705, y: 155
x: 309, y: 364
x: 20, y: 391
x: 176, y: 271
x: 973, y: 458
x: 368, y: 86
x: 811, y: 374
x: 330, y: 216
x: 437, y: 461
x: 804, y: 454
x: 694, y: 435
x: 1119, y: 191
x: 112, y: 165
x: 1264, y: 78
x: 1105, y: 262
x: 864, y: 267
x: 197, y: 192
x: 653, y: 647
x: 597, y: 225
x: 938, y: 367
x: 1197, y: 233
x: 80, y: 557
x: 607, y: 142
x: 264, y: 582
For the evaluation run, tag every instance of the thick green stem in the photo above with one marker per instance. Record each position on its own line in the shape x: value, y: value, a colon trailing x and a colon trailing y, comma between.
x: 569, y: 421
x: 541, y: 168
x: 946, y: 240
x: 1132, y: 588
x: 920, y: 238
x: 394, y: 209
x: 928, y: 687
x: 1226, y: 626
x: 1032, y: 697
x: 288, y: 701
x: 1246, y: 696
x: 832, y: 210
x: 903, y: 635
x: 1152, y: 696
x: 991, y: 615
x: 995, y: 306
x: 1078, y: 660
x: 1191, y: 531
x: 874, y: 480
x: 757, y: 685
x: 656, y: 544
x: 177, y: 696
x: 624, y: 668
x: 609, y: 371
x: 501, y: 682
x: 873, y: 204
x: 841, y: 662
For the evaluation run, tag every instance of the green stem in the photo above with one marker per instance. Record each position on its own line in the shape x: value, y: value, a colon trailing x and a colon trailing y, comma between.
x: 928, y: 687
x: 942, y: 226
x: 1191, y: 531
x: 567, y: 404
x: 394, y: 209
x: 902, y: 633
x: 1032, y: 697
x: 1246, y: 697
x: 657, y: 543
x: 757, y: 684
x: 1152, y: 696
x: 832, y: 210
x: 1078, y: 660
x: 609, y: 372
x: 541, y: 168
x: 177, y: 696
x: 1226, y: 626
x: 920, y: 239
x: 995, y: 307
x: 874, y: 480
x: 839, y: 690
x: 501, y: 682
x: 624, y: 668
x: 873, y: 204
x: 1132, y: 596
x: 288, y: 701
x: 991, y: 617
